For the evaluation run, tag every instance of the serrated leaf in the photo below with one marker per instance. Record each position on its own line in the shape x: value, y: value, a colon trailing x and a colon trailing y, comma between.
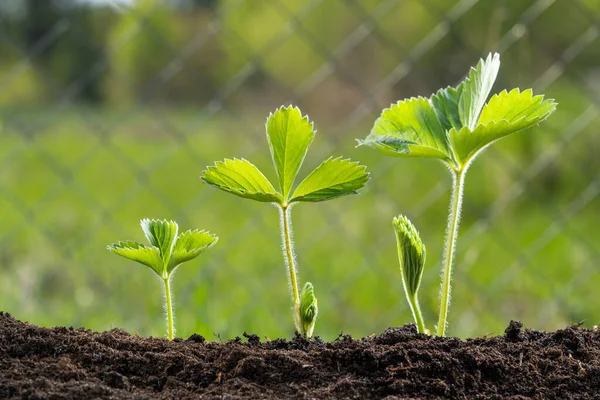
x: 308, y: 309
x: 409, y: 128
x: 242, y: 178
x: 289, y: 135
x: 411, y: 254
x: 445, y: 103
x: 515, y: 105
x: 476, y: 89
x: 335, y: 177
x: 146, y: 255
x: 506, y: 113
x: 161, y: 234
x: 190, y: 245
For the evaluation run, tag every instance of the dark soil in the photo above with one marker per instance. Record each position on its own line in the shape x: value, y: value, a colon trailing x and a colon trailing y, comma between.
x: 67, y: 363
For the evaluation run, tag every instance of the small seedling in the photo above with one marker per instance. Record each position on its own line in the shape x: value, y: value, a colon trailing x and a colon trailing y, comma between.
x: 289, y: 134
x: 455, y: 125
x: 411, y: 254
x: 166, y: 252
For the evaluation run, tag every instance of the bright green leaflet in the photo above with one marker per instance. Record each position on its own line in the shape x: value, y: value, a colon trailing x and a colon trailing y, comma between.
x: 335, y: 177
x: 476, y: 89
x: 242, y: 178
x: 168, y: 251
x: 409, y: 128
x: 411, y: 255
x: 289, y: 134
x: 454, y: 125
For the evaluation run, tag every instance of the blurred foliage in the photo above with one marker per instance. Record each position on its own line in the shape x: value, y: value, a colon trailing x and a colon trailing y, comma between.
x: 106, y: 109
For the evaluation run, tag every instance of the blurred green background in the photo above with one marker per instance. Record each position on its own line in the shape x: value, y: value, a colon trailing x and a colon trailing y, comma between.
x: 111, y: 110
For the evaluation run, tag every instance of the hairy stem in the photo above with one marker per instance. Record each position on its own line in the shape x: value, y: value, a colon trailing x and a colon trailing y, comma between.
x: 451, y: 234
x: 169, y: 307
x: 416, y: 311
x: 288, y: 254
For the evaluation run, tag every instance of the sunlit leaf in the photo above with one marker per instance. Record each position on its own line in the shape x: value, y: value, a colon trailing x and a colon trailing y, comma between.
x: 161, y: 234
x: 476, y: 88
x: 147, y: 255
x: 289, y: 135
x: 409, y: 128
x: 515, y: 105
x: 242, y: 178
x: 190, y: 245
x: 506, y: 113
x: 335, y: 177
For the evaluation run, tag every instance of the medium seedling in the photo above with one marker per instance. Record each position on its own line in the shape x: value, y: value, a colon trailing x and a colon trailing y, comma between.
x: 455, y: 125
x: 166, y: 252
x: 289, y: 134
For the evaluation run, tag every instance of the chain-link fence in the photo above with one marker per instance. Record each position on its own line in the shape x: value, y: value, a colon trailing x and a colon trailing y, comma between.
x: 111, y: 110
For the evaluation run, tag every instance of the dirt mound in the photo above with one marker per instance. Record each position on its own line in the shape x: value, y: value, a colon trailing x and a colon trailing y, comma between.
x: 67, y: 363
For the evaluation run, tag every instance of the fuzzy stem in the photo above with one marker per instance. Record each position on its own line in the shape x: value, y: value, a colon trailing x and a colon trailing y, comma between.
x: 451, y: 234
x: 169, y: 307
x: 289, y: 256
x: 416, y: 311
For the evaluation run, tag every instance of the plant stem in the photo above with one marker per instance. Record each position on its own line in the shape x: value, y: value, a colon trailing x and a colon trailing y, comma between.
x: 169, y: 306
x: 416, y: 311
x: 288, y: 254
x: 451, y: 234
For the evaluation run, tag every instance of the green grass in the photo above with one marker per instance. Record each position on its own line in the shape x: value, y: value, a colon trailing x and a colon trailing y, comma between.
x: 66, y: 192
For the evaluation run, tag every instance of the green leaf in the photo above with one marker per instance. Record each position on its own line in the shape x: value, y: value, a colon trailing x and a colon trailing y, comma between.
x: 409, y: 128
x: 308, y: 309
x: 411, y: 254
x: 445, y: 103
x: 161, y: 234
x: 335, y: 177
x: 149, y: 256
x: 505, y: 113
x: 242, y: 178
x: 516, y: 105
x: 190, y: 245
x: 476, y: 89
x: 289, y: 135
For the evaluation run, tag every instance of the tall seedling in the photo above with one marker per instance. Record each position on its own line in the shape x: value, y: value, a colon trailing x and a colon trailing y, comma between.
x: 454, y: 126
x: 289, y: 134
x: 166, y: 252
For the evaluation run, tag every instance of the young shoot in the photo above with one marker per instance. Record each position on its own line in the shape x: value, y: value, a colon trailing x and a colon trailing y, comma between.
x: 308, y: 309
x: 455, y: 125
x: 289, y: 134
x: 166, y: 252
x: 411, y: 254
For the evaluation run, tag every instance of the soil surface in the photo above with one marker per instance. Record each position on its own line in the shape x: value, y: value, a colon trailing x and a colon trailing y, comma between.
x: 67, y: 363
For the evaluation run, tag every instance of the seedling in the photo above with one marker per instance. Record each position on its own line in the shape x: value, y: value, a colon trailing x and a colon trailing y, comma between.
x: 411, y: 254
x: 455, y: 125
x: 289, y: 134
x: 166, y: 252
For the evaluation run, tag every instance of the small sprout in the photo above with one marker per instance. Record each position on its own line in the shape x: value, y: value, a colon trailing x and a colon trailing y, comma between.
x: 168, y: 250
x: 289, y: 134
x: 308, y: 309
x: 411, y: 254
x: 455, y: 125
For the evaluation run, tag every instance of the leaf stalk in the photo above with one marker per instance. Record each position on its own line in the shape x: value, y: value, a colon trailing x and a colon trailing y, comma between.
x: 290, y: 261
x: 458, y: 180
x: 413, y: 301
x: 169, y: 308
